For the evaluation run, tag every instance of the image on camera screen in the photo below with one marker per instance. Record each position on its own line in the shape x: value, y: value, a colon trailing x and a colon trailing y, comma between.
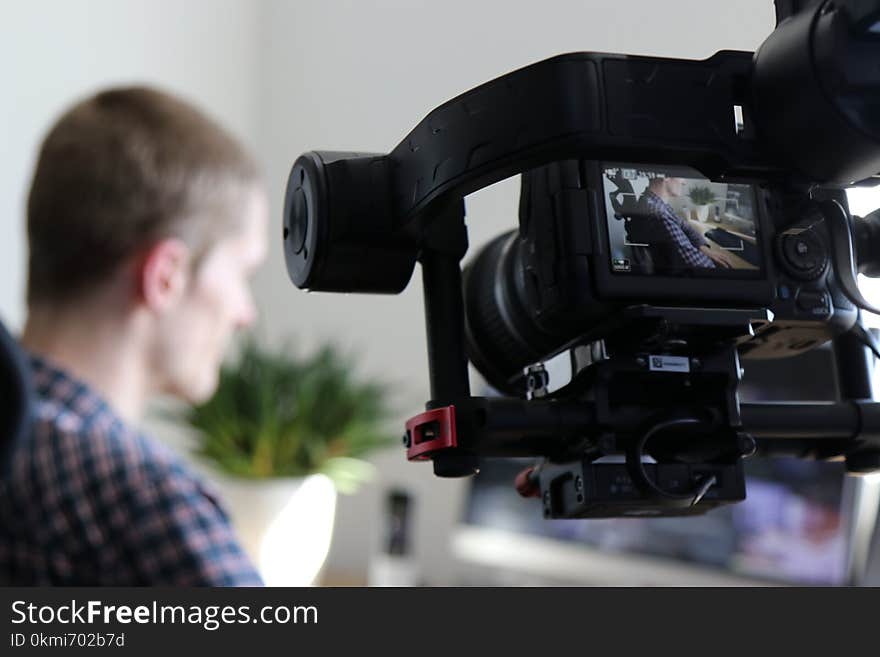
x: 668, y: 220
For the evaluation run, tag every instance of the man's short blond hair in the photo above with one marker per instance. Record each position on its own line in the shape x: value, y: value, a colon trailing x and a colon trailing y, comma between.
x: 118, y: 172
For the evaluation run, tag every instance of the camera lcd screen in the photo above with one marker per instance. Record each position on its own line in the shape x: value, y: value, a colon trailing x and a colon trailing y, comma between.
x: 669, y: 221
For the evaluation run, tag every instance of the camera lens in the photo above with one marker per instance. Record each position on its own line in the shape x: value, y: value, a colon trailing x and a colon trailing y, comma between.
x: 502, y: 336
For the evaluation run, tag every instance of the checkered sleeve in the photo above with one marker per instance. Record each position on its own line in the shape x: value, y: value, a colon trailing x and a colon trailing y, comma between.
x: 678, y: 233
x: 693, y: 234
x: 176, y: 534
x: 691, y: 255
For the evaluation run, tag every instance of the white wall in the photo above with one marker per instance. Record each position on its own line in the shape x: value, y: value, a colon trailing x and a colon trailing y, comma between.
x: 356, y: 75
x: 53, y: 52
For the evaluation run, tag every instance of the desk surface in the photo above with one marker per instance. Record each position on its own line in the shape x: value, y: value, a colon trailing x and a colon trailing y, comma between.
x: 702, y: 229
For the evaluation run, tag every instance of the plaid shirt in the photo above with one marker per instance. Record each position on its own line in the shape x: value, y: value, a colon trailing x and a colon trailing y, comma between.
x: 92, y: 502
x: 677, y: 231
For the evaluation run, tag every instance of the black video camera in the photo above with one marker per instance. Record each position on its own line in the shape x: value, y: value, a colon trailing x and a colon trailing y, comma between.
x: 675, y: 217
x: 595, y: 238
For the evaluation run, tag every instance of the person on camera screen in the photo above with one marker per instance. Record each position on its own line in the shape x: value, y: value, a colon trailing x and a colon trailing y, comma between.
x: 672, y: 241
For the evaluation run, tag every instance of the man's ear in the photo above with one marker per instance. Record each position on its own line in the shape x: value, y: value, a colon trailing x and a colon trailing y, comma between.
x: 163, y: 274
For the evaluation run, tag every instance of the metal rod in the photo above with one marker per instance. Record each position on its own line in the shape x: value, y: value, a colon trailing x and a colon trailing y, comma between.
x: 444, y: 305
x: 854, y: 367
x: 832, y: 420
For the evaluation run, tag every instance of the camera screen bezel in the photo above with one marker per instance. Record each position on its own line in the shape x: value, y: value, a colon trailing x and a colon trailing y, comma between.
x: 747, y: 286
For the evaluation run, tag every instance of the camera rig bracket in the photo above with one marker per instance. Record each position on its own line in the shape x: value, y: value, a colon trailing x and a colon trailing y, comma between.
x: 358, y: 222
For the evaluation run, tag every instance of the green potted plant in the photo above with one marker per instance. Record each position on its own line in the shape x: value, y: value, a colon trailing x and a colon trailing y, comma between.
x: 284, y: 433
x: 702, y: 198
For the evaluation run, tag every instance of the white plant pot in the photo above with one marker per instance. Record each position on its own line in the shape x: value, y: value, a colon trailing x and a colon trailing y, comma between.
x: 702, y: 213
x: 285, y: 525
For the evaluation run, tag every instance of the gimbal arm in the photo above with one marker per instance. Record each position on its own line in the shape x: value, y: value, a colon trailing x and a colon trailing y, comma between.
x: 602, y: 106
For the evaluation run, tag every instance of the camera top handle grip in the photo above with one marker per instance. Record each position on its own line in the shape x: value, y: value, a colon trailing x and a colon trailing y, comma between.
x: 581, y: 105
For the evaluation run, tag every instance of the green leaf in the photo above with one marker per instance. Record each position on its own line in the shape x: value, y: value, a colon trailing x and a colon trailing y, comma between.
x: 701, y: 196
x: 276, y: 413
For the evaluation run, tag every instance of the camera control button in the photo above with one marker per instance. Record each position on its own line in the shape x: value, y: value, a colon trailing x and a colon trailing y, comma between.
x: 804, y: 255
x: 813, y: 302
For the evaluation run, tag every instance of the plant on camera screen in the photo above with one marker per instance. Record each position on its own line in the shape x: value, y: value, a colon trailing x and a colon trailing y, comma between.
x: 701, y: 196
x: 275, y: 414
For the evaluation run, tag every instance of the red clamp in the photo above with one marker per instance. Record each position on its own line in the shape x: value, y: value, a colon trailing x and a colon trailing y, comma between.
x: 429, y: 432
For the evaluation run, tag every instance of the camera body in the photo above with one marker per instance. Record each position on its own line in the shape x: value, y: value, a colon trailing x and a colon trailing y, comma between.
x: 594, y: 239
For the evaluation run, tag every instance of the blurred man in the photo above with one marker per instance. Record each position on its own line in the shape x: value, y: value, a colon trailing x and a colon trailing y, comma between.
x: 677, y: 244
x: 145, y: 221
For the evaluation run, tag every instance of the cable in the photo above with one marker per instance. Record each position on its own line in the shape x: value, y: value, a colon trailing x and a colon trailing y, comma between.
x: 867, y: 338
x: 640, y: 475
